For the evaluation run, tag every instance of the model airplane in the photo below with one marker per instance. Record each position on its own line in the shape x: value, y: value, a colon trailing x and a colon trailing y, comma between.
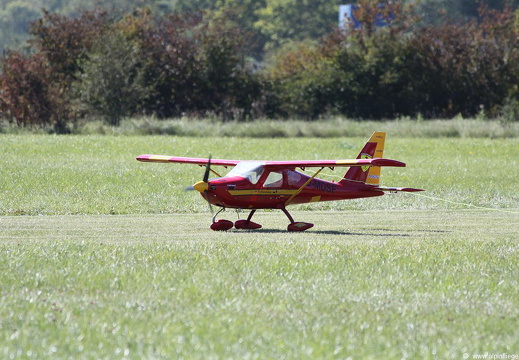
x: 257, y: 185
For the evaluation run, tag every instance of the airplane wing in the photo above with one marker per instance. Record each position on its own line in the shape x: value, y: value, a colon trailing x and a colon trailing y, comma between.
x: 332, y: 163
x: 291, y: 164
x: 185, y: 160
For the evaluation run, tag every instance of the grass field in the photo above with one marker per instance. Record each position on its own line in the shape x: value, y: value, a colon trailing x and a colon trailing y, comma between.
x: 399, y: 284
x: 264, y: 128
x: 49, y: 175
x: 117, y: 261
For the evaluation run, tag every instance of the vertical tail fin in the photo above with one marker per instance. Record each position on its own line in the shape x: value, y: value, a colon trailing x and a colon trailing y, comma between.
x: 374, y: 148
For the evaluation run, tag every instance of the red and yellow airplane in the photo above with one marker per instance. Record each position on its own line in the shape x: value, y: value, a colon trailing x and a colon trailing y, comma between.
x: 257, y: 185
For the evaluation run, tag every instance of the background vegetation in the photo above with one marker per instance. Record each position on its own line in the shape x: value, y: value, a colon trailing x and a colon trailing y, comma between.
x: 277, y: 21
x: 261, y: 59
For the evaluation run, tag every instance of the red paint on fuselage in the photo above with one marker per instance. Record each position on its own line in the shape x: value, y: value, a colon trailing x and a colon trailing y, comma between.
x: 238, y: 192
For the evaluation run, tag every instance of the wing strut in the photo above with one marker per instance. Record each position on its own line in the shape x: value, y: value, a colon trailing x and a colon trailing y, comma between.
x: 214, y: 172
x: 303, y: 186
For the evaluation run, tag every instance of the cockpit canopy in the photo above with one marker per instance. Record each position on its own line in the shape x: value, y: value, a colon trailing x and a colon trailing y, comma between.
x: 250, y: 170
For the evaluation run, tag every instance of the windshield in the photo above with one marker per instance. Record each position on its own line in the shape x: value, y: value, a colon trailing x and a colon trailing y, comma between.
x: 250, y: 170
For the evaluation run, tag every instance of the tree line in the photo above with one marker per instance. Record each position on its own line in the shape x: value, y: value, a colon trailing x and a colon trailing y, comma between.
x: 275, y: 22
x: 108, y: 64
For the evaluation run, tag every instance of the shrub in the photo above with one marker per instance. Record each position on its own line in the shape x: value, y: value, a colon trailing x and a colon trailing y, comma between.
x: 357, y: 73
x: 27, y: 96
x: 95, y: 65
x: 35, y: 89
x: 168, y: 51
x: 64, y: 42
x: 230, y: 85
x: 402, y: 70
x: 466, y: 67
x: 303, y: 81
x: 111, y: 85
x: 193, y: 65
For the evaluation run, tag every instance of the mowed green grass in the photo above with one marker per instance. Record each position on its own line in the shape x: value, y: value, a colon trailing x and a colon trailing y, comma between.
x: 366, y: 284
x: 400, y: 276
x: 47, y: 175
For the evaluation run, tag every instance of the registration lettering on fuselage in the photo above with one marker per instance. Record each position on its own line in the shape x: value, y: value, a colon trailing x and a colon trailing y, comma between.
x: 322, y: 186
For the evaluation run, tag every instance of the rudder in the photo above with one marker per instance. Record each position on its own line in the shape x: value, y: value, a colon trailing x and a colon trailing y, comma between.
x: 374, y: 148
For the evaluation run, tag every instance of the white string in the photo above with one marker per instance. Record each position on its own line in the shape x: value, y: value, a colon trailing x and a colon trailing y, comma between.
x: 464, y: 204
x: 440, y: 199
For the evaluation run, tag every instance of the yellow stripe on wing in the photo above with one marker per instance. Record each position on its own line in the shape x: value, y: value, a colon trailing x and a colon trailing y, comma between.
x: 159, y: 158
x: 348, y: 162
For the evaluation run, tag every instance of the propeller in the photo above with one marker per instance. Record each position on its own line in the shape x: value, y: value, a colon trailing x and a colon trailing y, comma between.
x: 207, y: 169
x: 203, y: 186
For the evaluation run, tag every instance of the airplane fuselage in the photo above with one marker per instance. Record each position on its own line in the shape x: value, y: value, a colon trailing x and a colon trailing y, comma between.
x: 238, y: 192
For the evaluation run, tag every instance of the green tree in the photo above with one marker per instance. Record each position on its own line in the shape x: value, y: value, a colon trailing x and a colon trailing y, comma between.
x: 244, y: 14
x: 436, y: 70
x: 230, y: 85
x: 14, y: 22
x: 36, y: 88
x: 111, y: 84
x: 436, y: 11
x: 282, y: 21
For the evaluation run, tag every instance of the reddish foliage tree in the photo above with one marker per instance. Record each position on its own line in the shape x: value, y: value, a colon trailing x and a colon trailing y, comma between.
x: 65, y: 42
x: 35, y: 89
x: 24, y: 89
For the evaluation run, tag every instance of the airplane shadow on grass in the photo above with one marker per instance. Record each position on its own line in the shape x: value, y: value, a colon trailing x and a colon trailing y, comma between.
x: 377, y: 232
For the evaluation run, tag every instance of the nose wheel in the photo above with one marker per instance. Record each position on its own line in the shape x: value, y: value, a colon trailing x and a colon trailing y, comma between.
x: 222, y: 224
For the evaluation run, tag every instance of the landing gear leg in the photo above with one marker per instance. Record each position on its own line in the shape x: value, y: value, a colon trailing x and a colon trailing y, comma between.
x: 288, y: 215
x: 218, y: 212
x: 250, y: 215
x: 247, y: 224
x: 296, y: 226
x: 221, y: 225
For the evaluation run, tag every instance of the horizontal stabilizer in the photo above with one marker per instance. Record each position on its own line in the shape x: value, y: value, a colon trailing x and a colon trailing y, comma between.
x: 395, y: 189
